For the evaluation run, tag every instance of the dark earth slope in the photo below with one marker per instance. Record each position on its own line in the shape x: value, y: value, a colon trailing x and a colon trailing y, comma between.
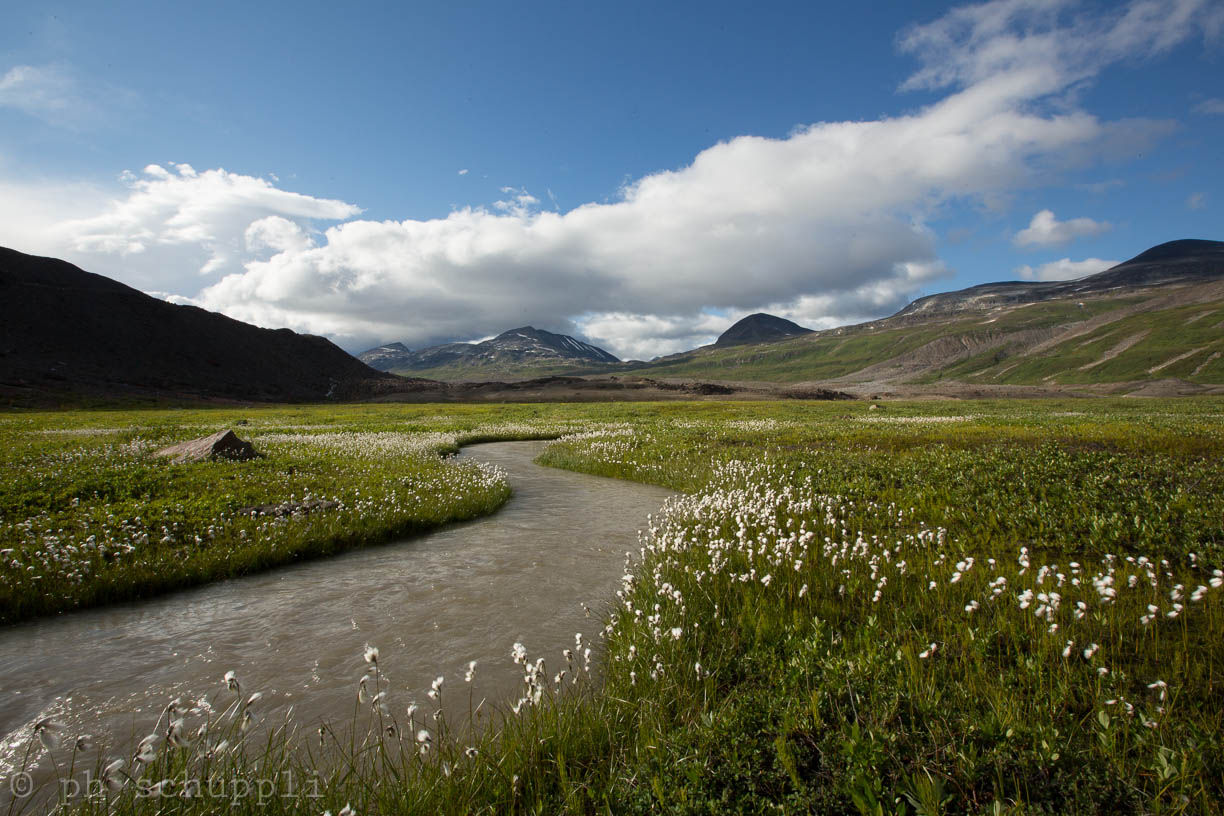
x: 70, y: 332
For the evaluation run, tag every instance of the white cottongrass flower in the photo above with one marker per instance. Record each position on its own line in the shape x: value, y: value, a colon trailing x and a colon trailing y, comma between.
x: 371, y: 654
x: 470, y: 674
x: 231, y: 681
x: 1090, y: 651
x: 519, y: 653
x: 48, y: 731
x: 676, y: 632
x: 930, y: 650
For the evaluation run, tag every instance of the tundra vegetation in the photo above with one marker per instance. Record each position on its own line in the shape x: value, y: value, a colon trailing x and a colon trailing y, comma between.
x: 934, y: 607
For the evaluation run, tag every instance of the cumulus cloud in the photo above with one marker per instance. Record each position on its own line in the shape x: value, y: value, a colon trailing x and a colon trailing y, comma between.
x: 826, y: 226
x: 1210, y: 106
x: 1064, y: 269
x: 1047, y: 231
x: 178, y: 229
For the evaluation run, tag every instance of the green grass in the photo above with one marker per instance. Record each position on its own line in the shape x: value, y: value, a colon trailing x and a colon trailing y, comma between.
x: 850, y: 611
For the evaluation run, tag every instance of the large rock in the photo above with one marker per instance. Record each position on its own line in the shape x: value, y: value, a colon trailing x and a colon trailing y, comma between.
x: 221, y: 445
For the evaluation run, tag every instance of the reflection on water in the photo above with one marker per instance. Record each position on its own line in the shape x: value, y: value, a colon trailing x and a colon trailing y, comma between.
x: 430, y: 604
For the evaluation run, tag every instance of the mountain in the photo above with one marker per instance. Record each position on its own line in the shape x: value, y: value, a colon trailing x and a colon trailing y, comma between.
x: 383, y: 357
x: 1176, y: 262
x: 1155, y: 319
x: 65, y: 331
x: 759, y: 328
x: 522, y: 351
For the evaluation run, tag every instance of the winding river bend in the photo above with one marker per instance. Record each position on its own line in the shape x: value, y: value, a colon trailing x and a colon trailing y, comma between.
x: 430, y: 604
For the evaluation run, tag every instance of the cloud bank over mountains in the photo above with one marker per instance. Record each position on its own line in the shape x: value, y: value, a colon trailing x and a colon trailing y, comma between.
x: 824, y: 227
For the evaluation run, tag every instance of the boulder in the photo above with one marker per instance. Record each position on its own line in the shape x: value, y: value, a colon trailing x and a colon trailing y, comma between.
x: 221, y: 445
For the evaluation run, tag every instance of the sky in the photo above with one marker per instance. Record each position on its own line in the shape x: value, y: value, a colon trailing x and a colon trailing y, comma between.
x: 637, y: 174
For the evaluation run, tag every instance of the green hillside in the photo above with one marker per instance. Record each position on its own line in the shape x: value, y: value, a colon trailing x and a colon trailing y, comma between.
x: 1016, y: 346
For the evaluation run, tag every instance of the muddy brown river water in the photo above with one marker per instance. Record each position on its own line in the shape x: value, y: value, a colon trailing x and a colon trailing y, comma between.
x: 430, y: 604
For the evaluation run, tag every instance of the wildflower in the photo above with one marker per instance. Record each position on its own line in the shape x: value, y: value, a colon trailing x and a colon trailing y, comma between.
x: 519, y: 653
x: 231, y: 681
x: 470, y: 673
x: 1067, y: 649
x: 972, y: 607
x: 435, y: 688
x: 371, y: 654
x: 1090, y: 651
x: 84, y: 743
x: 48, y: 731
x: 930, y: 650
x: 470, y: 752
x: 347, y: 810
x: 676, y: 632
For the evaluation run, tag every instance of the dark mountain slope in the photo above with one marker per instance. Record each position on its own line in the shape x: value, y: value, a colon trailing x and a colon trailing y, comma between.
x: 67, y: 331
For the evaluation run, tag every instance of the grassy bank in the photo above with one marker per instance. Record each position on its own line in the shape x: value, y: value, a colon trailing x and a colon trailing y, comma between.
x: 88, y: 515
x: 930, y: 608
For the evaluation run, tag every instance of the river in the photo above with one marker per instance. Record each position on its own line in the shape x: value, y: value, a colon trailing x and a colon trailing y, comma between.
x: 430, y: 604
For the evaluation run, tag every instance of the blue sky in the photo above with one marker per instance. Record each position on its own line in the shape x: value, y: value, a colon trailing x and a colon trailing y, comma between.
x: 639, y: 174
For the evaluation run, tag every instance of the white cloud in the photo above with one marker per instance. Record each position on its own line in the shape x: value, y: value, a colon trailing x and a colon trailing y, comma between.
x: 1196, y: 201
x: 463, y: 172
x: 824, y: 227
x: 178, y: 229
x: 1210, y: 106
x: 1064, y: 269
x: 47, y: 93
x: 60, y: 97
x: 1047, y: 231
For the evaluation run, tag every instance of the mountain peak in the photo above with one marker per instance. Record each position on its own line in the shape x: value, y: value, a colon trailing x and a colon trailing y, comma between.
x: 759, y: 328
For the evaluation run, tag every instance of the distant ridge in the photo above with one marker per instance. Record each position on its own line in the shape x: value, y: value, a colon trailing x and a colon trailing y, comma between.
x: 1152, y: 325
x: 518, y: 350
x: 759, y: 328
x: 67, y: 331
x: 1184, y: 261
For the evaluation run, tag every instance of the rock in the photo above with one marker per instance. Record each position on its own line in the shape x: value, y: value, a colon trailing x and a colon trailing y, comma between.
x: 221, y: 445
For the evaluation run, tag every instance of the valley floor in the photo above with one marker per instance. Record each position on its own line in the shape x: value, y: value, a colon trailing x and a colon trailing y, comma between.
x: 988, y: 606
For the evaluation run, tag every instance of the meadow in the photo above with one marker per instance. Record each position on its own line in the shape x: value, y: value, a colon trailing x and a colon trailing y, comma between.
x: 929, y: 607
